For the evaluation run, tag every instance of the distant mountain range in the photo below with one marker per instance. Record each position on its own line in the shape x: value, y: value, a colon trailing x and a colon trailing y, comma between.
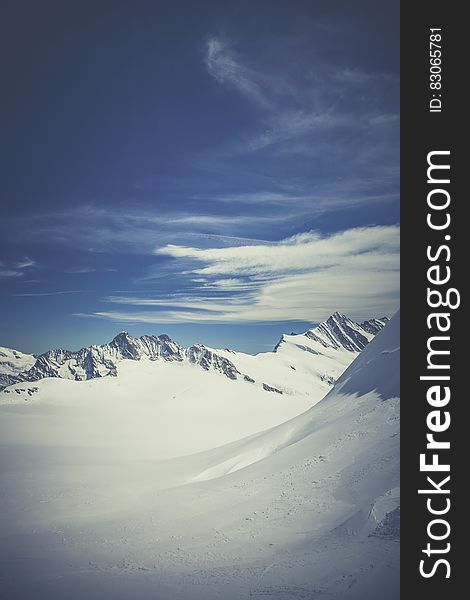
x: 321, y: 353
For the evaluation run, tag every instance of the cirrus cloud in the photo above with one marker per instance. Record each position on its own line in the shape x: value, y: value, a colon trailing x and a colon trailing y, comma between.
x: 304, y: 277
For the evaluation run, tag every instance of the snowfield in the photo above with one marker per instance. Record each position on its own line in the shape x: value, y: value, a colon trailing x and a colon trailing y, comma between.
x: 152, y: 409
x: 307, y: 508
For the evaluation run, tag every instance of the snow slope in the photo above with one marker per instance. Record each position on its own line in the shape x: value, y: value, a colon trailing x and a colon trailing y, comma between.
x: 307, y: 509
x: 374, y: 374
x: 154, y: 409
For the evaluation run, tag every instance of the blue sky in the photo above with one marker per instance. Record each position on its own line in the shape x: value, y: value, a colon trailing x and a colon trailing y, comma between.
x: 218, y: 171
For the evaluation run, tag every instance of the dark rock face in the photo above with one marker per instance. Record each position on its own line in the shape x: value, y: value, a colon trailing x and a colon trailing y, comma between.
x: 375, y: 325
x: 340, y: 332
x: 269, y: 388
x: 208, y: 360
x: 6, y: 380
x: 345, y: 333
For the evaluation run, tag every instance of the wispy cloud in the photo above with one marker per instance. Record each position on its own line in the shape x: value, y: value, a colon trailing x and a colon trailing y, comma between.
x: 79, y: 270
x: 95, y: 229
x: 304, y: 277
x: 317, y: 101
x: 15, y: 268
x: 24, y: 264
x: 318, y: 199
x: 6, y: 273
x: 37, y: 294
x: 294, y: 124
x: 223, y: 65
x: 302, y: 251
x: 358, y: 76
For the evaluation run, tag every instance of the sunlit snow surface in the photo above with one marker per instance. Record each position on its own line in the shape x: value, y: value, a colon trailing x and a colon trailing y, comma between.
x: 306, y: 509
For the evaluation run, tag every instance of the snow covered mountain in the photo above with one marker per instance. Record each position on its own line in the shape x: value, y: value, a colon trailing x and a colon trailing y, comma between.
x: 310, y: 362
x: 102, y: 361
x: 12, y: 364
x: 340, y: 332
x: 321, y: 353
x: 308, y: 508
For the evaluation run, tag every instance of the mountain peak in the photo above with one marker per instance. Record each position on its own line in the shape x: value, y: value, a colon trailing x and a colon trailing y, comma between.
x: 338, y: 331
x: 121, y: 335
x: 164, y: 337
